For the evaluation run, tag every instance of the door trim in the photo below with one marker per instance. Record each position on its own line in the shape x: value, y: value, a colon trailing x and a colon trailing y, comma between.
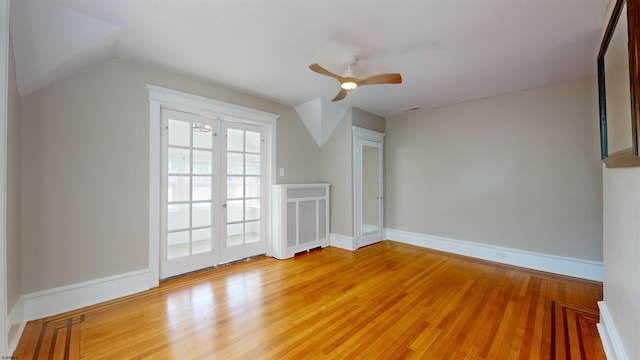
x: 368, y: 137
x: 4, y: 103
x: 159, y: 98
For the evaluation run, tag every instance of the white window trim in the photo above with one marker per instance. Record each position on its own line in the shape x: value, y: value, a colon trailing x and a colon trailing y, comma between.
x: 159, y: 98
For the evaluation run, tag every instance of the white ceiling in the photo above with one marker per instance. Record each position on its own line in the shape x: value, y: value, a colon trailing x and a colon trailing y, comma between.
x: 447, y: 51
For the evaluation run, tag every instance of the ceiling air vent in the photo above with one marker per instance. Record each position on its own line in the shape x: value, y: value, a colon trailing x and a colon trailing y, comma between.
x: 411, y: 109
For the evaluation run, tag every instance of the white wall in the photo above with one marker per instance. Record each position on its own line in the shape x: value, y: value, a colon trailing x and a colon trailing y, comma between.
x: 521, y: 171
x: 84, y: 168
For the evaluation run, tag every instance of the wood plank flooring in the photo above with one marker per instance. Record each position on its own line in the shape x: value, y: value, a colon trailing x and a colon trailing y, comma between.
x: 385, y: 301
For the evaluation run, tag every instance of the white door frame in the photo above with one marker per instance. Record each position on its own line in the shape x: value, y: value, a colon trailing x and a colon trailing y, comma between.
x: 4, y: 93
x: 159, y: 98
x: 362, y: 137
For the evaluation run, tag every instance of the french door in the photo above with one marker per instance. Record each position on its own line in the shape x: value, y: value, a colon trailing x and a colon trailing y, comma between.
x: 213, y: 174
x: 244, y: 162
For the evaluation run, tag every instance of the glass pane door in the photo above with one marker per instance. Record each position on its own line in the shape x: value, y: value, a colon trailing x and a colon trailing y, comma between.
x: 189, y: 193
x: 243, y: 226
x: 370, y: 190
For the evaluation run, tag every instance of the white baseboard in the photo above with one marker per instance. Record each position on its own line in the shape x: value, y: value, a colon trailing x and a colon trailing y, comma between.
x: 585, y: 269
x: 16, y: 324
x: 71, y: 297
x: 611, y: 342
x: 66, y: 298
x: 343, y: 242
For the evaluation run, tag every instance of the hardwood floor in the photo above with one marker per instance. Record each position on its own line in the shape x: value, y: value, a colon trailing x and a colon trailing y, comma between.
x: 387, y: 300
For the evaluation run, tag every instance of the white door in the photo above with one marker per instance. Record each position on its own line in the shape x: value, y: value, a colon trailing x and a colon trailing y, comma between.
x: 244, y: 226
x: 213, y: 191
x: 190, y: 191
x: 368, y: 186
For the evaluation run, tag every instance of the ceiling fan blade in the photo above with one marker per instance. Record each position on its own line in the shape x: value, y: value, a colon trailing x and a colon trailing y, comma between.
x: 320, y: 70
x: 381, y: 79
x: 340, y: 95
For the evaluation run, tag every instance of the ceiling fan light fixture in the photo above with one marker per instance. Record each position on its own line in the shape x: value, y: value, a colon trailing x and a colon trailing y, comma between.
x: 349, y: 85
x: 201, y: 127
x: 349, y: 81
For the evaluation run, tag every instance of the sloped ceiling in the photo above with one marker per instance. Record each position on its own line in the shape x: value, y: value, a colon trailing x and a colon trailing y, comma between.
x: 51, y: 41
x: 447, y: 51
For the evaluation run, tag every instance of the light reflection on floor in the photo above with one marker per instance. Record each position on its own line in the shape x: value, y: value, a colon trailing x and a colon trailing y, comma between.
x: 244, y: 300
x: 198, y: 301
x: 243, y: 289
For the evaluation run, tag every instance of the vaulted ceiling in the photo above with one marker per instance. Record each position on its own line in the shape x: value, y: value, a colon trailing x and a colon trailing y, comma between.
x: 447, y: 51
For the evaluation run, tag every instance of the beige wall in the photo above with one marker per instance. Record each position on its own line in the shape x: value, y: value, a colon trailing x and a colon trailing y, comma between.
x: 367, y: 120
x: 13, y: 189
x: 337, y: 169
x: 296, y: 151
x: 520, y: 170
x: 84, y: 156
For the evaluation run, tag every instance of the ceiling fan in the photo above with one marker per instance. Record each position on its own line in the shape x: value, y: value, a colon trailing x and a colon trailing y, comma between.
x: 348, y: 80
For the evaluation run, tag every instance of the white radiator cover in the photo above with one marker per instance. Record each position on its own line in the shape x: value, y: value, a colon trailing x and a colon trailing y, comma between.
x: 300, y: 218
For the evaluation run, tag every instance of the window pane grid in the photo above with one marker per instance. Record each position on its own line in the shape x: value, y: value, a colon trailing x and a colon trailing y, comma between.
x: 192, y: 184
x: 191, y: 202
x: 243, y: 186
x: 253, y: 141
x: 236, y: 222
x: 200, y: 227
x: 192, y: 189
x: 235, y: 187
x: 235, y: 163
